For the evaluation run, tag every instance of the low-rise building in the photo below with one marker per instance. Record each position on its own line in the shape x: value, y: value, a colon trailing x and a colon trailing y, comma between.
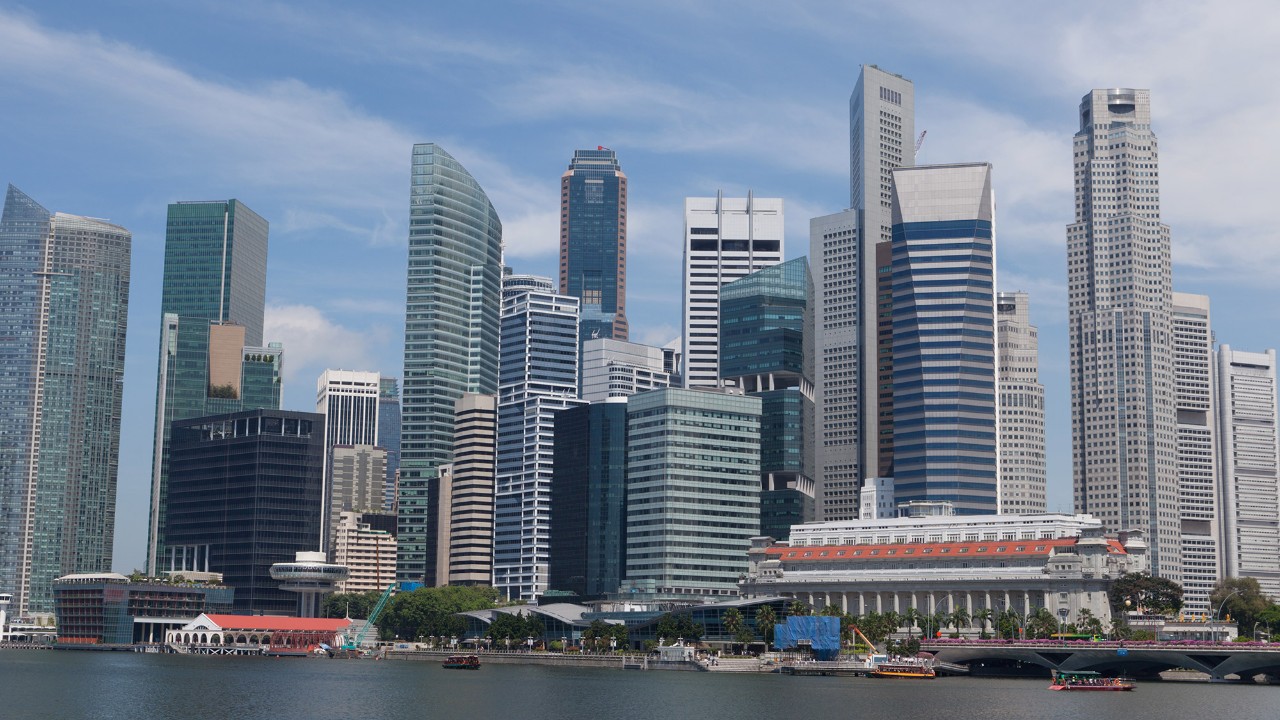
x: 219, y: 634
x: 108, y: 608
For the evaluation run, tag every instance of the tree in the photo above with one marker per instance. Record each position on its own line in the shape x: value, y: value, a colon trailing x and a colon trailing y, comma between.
x: 960, y: 618
x: 1241, y: 599
x: 1144, y: 592
x: 433, y: 611
x: 1089, y: 623
x: 673, y: 626
x: 983, y: 616
x: 733, y: 622
x: 911, y: 618
x: 1042, y: 624
x: 765, y: 620
x: 354, y: 605
x: 798, y: 608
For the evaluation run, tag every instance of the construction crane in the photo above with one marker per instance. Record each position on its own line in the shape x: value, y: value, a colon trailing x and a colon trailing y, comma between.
x: 919, y: 142
x: 866, y: 640
x: 352, y: 647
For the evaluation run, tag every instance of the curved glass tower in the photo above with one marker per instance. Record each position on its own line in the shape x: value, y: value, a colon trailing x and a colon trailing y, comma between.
x: 450, y: 335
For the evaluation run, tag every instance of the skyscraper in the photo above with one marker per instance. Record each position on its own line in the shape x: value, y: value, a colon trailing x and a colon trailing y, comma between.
x: 1197, y: 450
x: 64, y: 290
x: 617, y: 369
x: 1119, y: 296
x: 842, y: 251
x: 725, y: 239
x: 538, y: 377
x: 1022, y: 440
x: 451, y: 334
x: 349, y: 401
x: 593, y: 241
x: 211, y: 355
x: 944, y: 337
x: 389, y: 433
x: 465, y: 536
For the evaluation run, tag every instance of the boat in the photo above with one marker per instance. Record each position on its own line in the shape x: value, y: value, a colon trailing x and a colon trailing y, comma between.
x: 461, y: 662
x: 1089, y: 681
x: 904, y: 668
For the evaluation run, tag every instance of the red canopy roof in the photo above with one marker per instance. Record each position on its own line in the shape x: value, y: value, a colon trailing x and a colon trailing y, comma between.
x: 277, y: 623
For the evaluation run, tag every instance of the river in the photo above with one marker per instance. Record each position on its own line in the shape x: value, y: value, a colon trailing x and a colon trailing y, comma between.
x: 69, y: 685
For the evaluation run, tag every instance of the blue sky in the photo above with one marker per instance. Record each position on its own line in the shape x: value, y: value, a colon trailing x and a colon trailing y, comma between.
x: 307, y: 112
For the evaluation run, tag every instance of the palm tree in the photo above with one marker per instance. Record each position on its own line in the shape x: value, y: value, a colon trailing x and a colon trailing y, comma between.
x: 797, y: 607
x: 765, y: 620
x: 911, y: 617
x: 960, y: 618
x: 893, y: 621
x: 983, y: 616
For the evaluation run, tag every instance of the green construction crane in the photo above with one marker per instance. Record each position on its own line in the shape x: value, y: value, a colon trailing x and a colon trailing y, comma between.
x: 354, y: 645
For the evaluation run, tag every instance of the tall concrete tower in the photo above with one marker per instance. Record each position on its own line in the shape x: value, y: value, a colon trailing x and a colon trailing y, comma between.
x: 1120, y: 296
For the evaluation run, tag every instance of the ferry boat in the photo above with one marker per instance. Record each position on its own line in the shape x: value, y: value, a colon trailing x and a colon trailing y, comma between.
x: 461, y: 662
x: 904, y: 668
x: 1089, y: 681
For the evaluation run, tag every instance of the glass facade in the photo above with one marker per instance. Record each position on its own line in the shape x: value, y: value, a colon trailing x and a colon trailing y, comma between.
x: 61, y: 396
x: 212, y: 303
x: 109, y: 609
x: 593, y: 242
x: 451, y: 334
x: 389, y: 433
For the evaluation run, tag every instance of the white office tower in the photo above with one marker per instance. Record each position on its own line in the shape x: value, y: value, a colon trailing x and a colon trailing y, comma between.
x: 348, y: 399
x: 1250, y: 480
x: 619, y: 369
x: 537, y: 377
x: 724, y: 239
x: 1022, y: 440
x: 1119, y: 308
x: 877, y: 500
x: 842, y: 255
x: 1197, y: 456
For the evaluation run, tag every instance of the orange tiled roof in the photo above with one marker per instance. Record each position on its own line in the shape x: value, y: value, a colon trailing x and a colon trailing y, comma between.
x: 278, y: 623
x: 956, y: 550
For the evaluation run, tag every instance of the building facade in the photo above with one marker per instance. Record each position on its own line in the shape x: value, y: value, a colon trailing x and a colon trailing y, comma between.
x: 1119, y: 297
x: 368, y: 553
x: 212, y: 358
x: 693, y: 492
x: 944, y: 337
x: 466, y: 509
x: 538, y: 377
x: 725, y: 239
x: 593, y: 242
x: 451, y: 334
x: 1198, y: 503
x: 356, y: 475
x: 348, y: 399
x: 110, y: 609
x: 619, y: 369
x: 245, y: 492
x: 64, y: 289
x: 389, y: 434
x: 1250, y: 466
x: 1023, y: 472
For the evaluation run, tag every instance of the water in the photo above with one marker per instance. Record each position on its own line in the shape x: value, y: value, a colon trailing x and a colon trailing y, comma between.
x: 71, y: 685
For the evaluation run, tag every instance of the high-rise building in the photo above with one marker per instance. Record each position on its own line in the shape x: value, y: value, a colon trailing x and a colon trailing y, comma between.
x: 389, y: 434
x: 451, y: 335
x: 944, y: 337
x: 765, y: 326
x: 725, y: 239
x: 1119, y: 296
x: 465, y: 537
x: 368, y: 553
x: 618, y: 369
x: 349, y: 401
x: 693, y: 492
x: 848, y: 366
x: 538, y: 377
x: 354, y: 478
x: 593, y: 242
x: 589, y: 500
x: 64, y: 294
x: 1197, y: 450
x: 1250, y: 466
x: 211, y: 355
x: 245, y: 493
x: 1023, y: 472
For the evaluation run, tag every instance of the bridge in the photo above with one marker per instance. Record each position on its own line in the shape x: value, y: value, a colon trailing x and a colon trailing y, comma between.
x: 1132, y: 658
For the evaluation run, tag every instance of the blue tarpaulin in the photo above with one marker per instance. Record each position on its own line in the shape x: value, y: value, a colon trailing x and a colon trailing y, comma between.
x: 819, y: 632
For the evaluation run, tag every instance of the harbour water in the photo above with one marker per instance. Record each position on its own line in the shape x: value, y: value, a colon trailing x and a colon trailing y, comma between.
x: 72, y: 685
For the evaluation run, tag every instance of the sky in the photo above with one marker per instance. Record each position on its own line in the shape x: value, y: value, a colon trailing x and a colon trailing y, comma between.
x: 307, y: 113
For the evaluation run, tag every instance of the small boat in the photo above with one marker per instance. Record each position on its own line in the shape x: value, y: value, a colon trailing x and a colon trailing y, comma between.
x: 461, y: 662
x: 1089, y: 681
x: 916, y: 669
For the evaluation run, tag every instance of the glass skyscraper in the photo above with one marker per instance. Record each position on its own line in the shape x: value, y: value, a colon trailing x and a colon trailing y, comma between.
x: 211, y: 355
x: 64, y: 290
x: 451, y: 334
x: 389, y: 433
x: 593, y: 241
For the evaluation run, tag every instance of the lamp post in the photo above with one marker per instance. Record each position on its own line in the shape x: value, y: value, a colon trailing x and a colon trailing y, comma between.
x: 1217, y: 617
x: 564, y: 644
x: 529, y: 642
x: 1062, y: 621
x: 933, y: 613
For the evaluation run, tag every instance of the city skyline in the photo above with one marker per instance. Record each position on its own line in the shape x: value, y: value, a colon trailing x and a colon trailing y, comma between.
x: 678, y: 132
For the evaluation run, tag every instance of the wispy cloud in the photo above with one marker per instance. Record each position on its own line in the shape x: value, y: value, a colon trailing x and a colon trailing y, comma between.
x: 313, y: 342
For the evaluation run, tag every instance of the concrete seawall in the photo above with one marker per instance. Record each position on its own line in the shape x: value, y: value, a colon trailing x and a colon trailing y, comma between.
x: 627, y: 662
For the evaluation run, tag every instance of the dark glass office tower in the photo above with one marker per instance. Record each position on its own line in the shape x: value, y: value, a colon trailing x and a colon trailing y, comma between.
x: 211, y: 355
x: 64, y: 297
x: 245, y: 491
x: 389, y: 434
x: 593, y: 242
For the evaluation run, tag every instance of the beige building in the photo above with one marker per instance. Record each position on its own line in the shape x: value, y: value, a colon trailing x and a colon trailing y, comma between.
x: 465, y: 513
x: 1021, y: 403
x: 368, y: 554
x: 358, y: 474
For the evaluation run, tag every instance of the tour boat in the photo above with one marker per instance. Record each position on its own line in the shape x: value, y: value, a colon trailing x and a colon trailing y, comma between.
x: 461, y: 662
x: 904, y: 669
x: 1091, y: 681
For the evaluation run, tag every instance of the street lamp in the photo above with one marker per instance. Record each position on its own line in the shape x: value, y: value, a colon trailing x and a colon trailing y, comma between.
x: 1062, y: 621
x: 934, y: 613
x: 529, y: 641
x: 564, y: 644
x: 1218, y: 615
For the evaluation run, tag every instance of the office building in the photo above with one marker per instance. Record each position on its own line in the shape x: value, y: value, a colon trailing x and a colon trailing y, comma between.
x: 211, y: 356
x: 1250, y: 466
x: 944, y: 337
x: 1194, y: 390
x: 355, y: 478
x: 451, y: 335
x: 538, y: 377
x: 593, y: 242
x: 369, y: 554
x: 349, y: 401
x: 1022, y: 440
x: 244, y: 494
x: 64, y: 303
x: 1119, y: 297
x: 725, y: 239
x: 389, y: 434
x: 110, y: 609
x: 693, y: 492
x: 765, y: 332
x: 588, y: 538
x: 465, y: 538
x: 618, y: 369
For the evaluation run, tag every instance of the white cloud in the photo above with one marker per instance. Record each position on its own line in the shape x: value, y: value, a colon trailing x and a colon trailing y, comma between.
x: 313, y: 342
x: 656, y: 335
